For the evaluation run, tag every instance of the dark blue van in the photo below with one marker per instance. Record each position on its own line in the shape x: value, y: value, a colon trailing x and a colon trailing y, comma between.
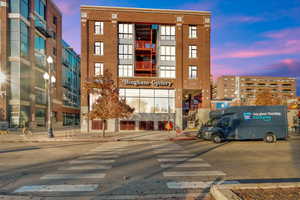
x: 246, y: 123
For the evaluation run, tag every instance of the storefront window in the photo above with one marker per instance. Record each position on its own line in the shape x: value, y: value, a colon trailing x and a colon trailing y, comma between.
x: 40, y: 117
x: 150, y: 100
x: 147, y: 93
x: 161, y: 105
x: 147, y: 105
x: 161, y: 93
x: 134, y: 103
x: 132, y: 92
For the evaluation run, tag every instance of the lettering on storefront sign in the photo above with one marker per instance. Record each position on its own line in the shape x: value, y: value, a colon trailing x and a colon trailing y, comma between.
x: 148, y: 83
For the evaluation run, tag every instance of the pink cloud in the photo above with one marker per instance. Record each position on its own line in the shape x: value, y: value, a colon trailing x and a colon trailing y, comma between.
x: 68, y: 7
x: 283, y: 42
x: 245, y: 19
x: 200, y: 5
x: 290, y: 33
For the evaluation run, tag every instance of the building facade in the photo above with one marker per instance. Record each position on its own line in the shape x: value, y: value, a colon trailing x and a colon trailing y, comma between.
x: 159, y: 59
x: 246, y: 87
x: 31, y: 30
x: 71, y: 86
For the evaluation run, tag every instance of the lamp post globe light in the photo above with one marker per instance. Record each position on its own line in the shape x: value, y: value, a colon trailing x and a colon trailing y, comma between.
x: 50, y: 80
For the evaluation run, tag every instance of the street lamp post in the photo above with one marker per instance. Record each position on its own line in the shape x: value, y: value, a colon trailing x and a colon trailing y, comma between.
x: 50, y: 80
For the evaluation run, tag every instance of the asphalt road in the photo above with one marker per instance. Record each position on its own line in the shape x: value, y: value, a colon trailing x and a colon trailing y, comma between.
x: 141, y: 170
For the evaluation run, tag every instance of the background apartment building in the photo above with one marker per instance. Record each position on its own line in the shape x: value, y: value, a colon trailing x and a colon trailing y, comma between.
x: 246, y: 87
x: 31, y: 30
x: 160, y: 61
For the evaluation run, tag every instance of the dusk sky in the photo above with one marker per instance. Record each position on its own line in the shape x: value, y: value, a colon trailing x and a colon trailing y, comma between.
x: 249, y: 37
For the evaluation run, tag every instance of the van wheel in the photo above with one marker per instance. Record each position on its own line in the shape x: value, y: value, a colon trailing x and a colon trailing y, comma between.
x: 216, y: 138
x: 270, y: 138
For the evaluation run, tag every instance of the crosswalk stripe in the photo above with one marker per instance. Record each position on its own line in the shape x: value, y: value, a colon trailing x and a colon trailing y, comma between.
x: 86, y: 167
x: 169, y: 151
x: 189, y: 185
x: 105, y: 150
x: 98, y: 157
x: 91, y: 161
x: 185, y: 165
x: 175, y: 155
x: 57, y: 188
x: 194, y: 173
x: 179, y: 159
x: 74, y: 176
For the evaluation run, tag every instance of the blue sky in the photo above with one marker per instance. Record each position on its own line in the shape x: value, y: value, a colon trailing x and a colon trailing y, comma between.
x: 249, y: 37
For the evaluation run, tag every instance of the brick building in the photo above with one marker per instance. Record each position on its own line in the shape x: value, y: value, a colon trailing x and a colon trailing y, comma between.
x: 246, y: 87
x: 31, y: 30
x: 160, y: 61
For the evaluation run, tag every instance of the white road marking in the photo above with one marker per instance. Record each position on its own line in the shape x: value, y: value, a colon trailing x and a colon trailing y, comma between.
x: 188, y: 185
x: 179, y: 159
x: 170, y: 151
x: 194, y: 173
x: 57, y: 188
x: 91, y: 161
x: 86, y: 167
x: 98, y: 157
x: 176, y: 155
x: 185, y: 165
x: 73, y: 176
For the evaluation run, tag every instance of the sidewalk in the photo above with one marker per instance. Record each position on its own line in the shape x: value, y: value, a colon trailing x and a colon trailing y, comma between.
x: 74, y: 135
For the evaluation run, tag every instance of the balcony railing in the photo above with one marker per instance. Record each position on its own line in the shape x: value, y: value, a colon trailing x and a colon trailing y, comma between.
x: 143, y: 65
x: 141, y: 44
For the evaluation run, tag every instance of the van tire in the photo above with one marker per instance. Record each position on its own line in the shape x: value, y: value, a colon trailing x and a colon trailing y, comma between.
x: 270, y: 138
x: 216, y: 138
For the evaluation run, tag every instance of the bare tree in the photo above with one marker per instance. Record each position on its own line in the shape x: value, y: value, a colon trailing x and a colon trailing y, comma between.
x: 107, y: 105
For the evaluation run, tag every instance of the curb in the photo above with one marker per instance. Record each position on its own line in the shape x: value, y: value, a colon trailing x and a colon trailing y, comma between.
x: 224, y: 192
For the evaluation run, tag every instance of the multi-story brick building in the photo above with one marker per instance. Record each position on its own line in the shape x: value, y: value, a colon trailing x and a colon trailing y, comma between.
x: 160, y: 61
x: 31, y: 30
x: 246, y: 87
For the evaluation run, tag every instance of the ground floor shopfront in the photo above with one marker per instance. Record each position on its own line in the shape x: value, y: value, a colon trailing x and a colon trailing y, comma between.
x: 155, y: 109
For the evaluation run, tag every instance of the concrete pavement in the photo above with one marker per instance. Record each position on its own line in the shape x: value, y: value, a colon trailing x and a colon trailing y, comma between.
x: 141, y: 169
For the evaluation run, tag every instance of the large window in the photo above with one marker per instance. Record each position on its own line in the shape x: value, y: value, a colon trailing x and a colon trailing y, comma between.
x: 167, y: 53
x: 20, y: 6
x: 125, y: 71
x: 167, y: 71
x: 99, y: 28
x: 125, y: 51
x: 24, y: 40
x: 125, y: 31
x: 19, y: 38
x: 167, y: 33
x: 192, y: 31
x: 40, y: 8
x: 40, y: 44
x: 150, y: 100
x: 193, y: 72
x: 99, y: 49
x: 99, y: 69
x: 192, y: 51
